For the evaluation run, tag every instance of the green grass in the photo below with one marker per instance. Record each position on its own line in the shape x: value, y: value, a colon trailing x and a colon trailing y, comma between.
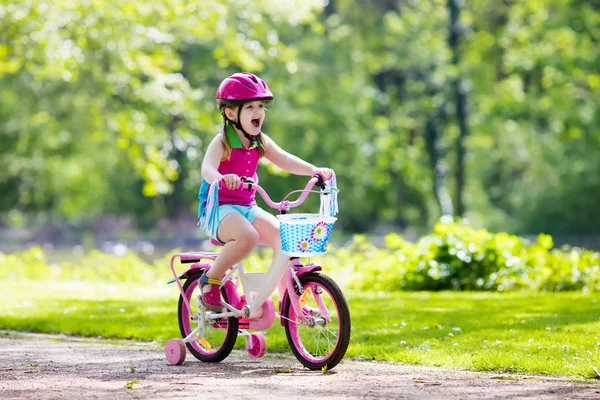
x: 542, y: 333
x: 528, y: 333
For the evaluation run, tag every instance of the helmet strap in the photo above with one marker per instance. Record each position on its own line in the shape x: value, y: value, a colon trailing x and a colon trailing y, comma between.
x: 238, y: 125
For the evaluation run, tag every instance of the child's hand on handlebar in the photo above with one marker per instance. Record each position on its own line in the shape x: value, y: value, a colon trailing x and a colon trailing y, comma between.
x: 232, y: 181
x: 326, y: 173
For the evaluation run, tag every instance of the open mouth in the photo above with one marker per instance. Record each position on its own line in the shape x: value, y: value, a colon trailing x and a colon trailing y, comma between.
x: 255, y: 122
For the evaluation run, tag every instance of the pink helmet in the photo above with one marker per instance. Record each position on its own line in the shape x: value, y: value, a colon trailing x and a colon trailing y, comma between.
x: 242, y: 87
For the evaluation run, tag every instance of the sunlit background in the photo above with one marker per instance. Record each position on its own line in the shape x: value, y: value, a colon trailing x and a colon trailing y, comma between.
x: 487, y: 110
x: 464, y: 135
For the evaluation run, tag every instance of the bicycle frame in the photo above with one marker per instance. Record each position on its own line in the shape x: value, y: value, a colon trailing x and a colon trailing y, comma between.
x: 258, y: 310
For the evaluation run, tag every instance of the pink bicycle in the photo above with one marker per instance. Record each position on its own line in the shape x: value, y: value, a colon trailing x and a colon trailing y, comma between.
x: 313, y: 309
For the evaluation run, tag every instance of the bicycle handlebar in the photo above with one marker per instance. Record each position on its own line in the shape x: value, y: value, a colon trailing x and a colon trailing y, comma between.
x: 316, y: 180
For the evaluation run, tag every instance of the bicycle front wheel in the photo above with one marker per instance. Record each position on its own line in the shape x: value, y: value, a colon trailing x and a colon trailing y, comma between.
x: 320, y: 337
x: 219, y: 336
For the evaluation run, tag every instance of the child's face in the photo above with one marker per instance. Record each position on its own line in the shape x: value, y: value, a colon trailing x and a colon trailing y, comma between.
x: 252, y: 116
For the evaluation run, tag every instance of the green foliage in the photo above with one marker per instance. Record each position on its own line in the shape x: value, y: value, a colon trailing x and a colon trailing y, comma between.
x: 96, y: 265
x: 454, y: 256
x: 457, y: 257
x: 109, y: 98
x: 534, y: 84
x: 107, y: 106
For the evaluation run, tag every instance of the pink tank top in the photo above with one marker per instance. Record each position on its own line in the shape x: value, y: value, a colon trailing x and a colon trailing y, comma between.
x: 243, y: 162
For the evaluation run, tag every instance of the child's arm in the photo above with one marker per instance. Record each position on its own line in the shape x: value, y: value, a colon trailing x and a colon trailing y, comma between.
x: 291, y: 163
x: 210, y: 165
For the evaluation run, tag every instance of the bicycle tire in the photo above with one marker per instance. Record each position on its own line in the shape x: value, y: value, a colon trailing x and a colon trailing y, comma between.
x: 305, y: 347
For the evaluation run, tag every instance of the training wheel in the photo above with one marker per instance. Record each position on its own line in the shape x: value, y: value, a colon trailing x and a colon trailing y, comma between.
x: 175, y: 351
x: 259, y: 345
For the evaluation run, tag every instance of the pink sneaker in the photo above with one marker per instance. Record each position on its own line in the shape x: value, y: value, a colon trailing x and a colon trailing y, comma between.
x: 211, y: 300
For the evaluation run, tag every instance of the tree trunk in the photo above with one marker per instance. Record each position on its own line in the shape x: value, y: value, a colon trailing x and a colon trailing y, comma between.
x: 330, y: 8
x: 439, y: 167
x: 460, y: 97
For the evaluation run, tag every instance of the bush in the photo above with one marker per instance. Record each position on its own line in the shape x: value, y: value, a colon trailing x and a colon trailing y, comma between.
x: 454, y: 257
x: 95, y: 266
x: 457, y: 257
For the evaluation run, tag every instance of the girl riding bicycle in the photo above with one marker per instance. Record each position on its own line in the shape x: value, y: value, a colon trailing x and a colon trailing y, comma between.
x: 237, y: 222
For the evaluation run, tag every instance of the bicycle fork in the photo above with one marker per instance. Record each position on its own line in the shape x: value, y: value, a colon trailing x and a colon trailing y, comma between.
x: 298, y: 295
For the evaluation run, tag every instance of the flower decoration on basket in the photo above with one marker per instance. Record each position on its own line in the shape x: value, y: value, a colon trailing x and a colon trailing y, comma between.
x: 304, y: 245
x: 320, y: 231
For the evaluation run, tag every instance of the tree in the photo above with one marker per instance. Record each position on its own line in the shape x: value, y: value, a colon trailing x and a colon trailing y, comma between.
x: 93, y: 91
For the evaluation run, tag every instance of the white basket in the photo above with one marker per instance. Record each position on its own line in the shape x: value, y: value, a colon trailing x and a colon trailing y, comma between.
x: 305, y: 235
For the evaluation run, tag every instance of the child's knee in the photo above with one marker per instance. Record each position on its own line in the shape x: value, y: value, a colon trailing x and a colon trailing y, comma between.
x: 249, y: 239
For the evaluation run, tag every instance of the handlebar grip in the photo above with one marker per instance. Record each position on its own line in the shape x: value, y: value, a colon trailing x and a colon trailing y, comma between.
x: 320, y: 181
x: 246, y: 184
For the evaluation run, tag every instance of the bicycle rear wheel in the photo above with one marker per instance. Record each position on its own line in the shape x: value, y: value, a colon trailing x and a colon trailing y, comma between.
x: 219, y: 336
x: 322, y: 340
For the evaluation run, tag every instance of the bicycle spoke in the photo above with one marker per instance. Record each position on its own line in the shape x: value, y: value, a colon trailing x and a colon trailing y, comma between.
x: 319, y: 340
